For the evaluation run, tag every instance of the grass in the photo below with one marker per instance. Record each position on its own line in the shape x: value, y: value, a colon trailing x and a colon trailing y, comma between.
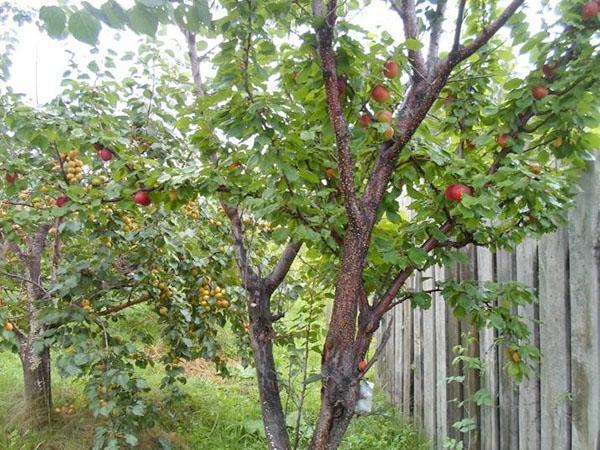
x: 218, y: 414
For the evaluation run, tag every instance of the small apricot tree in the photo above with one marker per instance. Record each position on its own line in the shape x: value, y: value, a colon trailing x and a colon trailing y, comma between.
x: 79, y: 249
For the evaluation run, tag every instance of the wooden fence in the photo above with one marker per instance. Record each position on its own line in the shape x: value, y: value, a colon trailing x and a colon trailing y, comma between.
x: 560, y: 408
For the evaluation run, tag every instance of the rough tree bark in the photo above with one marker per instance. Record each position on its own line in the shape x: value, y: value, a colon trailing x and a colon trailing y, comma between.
x: 34, y: 356
x: 340, y: 358
x: 37, y: 380
x: 261, y: 338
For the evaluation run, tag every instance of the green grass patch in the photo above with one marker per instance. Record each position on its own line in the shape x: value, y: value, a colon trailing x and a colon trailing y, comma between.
x: 218, y: 414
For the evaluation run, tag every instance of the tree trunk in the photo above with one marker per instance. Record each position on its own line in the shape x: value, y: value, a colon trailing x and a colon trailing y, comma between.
x: 36, y: 377
x: 261, y: 336
x: 339, y: 395
x: 343, y: 351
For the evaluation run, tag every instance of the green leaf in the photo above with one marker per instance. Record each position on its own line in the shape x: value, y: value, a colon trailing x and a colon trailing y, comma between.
x: 309, y: 176
x: 80, y: 359
x: 54, y: 20
x: 142, y: 20
x: 313, y: 378
x: 280, y: 234
x: 421, y: 300
x: 115, y: 16
x: 97, y: 13
x: 131, y: 439
x: 84, y: 27
x: 417, y: 256
x: 138, y: 409
x: 307, y: 135
x: 513, y: 83
x: 203, y: 12
x: 413, y: 44
x: 290, y: 173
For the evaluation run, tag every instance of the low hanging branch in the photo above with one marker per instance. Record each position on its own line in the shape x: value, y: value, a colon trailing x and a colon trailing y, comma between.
x: 115, y: 309
x: 24, y: 280
x: 276, y: 277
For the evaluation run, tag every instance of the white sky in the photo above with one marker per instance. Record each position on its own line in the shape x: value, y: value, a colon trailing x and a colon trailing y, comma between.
x: 39, y: 61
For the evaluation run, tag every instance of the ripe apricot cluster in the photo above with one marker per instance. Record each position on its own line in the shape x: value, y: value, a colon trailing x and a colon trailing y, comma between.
x: 381, y: 94
x: 191, y: 210
x: 212, y: 295
x: 24, y: 194
x: 99, y: 180
x: 74, y: 167
x: 66, y: 409
x: 216, y: 223
x: 39, y: 203
x: 130, y: 224
x: 155, y: 281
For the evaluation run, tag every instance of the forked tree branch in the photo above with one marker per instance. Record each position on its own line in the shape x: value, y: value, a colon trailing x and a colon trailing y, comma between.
x: 407, y: 11
x: 417, y: 103
x: 249, y: 276
x: 277, y: 275
x: 26, y: 280
x: 122, y: 306
x: 385, y: 337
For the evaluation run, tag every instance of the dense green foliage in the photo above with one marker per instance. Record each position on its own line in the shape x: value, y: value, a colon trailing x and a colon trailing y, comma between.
x: 130, y: 175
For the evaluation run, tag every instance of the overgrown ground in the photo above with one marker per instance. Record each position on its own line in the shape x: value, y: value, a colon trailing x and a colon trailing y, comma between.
x: 218, y: 414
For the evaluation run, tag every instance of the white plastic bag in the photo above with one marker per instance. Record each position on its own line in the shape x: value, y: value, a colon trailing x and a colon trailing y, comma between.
x: 365, y: 399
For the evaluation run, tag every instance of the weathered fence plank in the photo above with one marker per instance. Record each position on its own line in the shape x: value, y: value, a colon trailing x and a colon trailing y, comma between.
x: 407, y: 351
x: 490, y: 438
x: 585, y: 351
x: 529, y: 390
x: 398, y: 356
x: 418, y: 358
x: 429, y: 360
x: 469, y: 339
x: 454, y: 389
x: 440, y: 368
x: 509, y: 423
x: 554, y: 329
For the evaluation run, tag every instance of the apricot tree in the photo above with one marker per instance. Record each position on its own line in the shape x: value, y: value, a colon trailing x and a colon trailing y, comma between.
x: 79, y: 251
